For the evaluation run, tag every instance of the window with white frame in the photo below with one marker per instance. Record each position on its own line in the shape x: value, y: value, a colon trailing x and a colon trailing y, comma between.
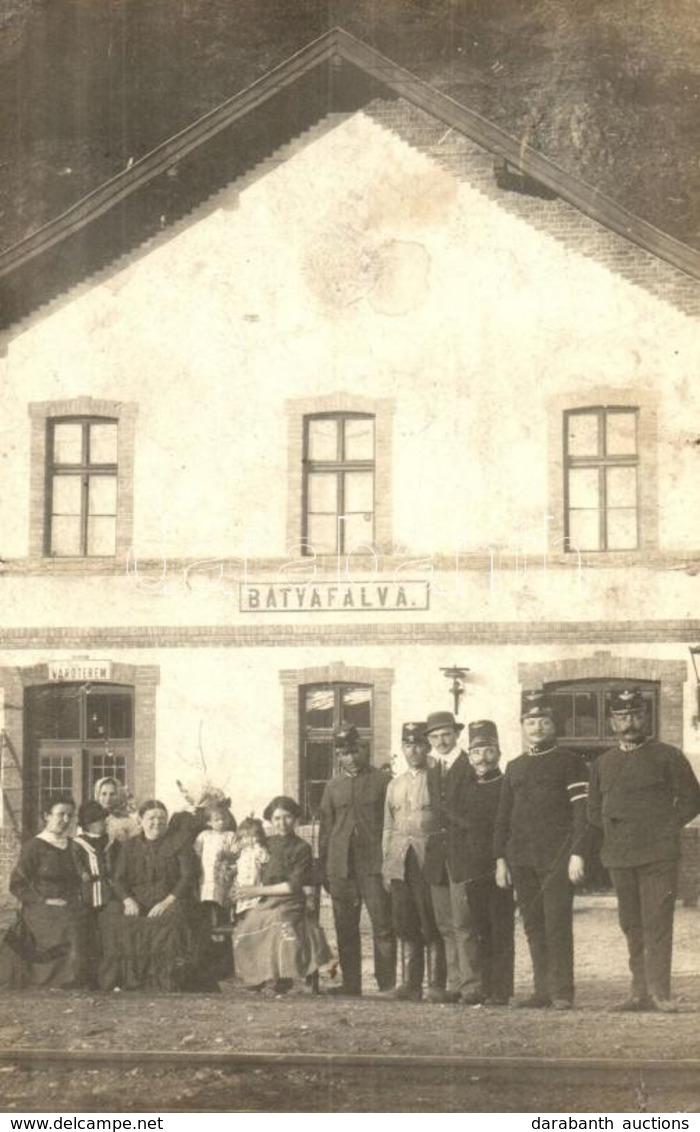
x: 601, y: 478
x: 81, y: 487
x: 339, y: 483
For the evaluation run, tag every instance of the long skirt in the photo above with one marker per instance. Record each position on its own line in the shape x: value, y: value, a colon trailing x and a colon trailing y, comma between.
x: 157, y: 954
x: 45, y: 947
x: 277, y: 940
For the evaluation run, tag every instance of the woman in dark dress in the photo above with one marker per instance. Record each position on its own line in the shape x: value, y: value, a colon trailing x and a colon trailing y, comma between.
x: 148, y: 933
x: 279, y: 939
x: 45, y: 948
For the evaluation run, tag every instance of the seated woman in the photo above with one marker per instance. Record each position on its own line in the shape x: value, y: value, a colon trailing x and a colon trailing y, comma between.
x: 278, y: 940
x: 148, y: 934
x: 45, y: 948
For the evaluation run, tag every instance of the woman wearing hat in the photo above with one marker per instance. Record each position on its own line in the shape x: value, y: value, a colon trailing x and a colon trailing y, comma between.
x: 277, y: 940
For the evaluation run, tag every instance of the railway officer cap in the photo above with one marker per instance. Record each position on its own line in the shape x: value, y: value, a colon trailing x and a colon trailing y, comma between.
x: 535, y: 705
x: 439, y: 719
x: 414, y: 733
x: 346, y: 738
x: 627, y: 699
x: 483, y: 733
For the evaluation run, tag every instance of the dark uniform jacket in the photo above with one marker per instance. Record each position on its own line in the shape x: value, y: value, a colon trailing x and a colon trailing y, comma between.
x: 352, y: 821
x: 642, y: 799
x: 471, y: 806
x: 541, y: 817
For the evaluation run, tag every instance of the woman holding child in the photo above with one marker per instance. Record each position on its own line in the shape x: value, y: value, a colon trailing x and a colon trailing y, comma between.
x: 277, y: 938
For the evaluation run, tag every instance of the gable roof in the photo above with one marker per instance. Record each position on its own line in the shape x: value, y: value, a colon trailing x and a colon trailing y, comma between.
x: 334, y: 72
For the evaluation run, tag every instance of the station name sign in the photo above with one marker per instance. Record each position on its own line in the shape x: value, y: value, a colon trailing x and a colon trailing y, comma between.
x: 61, y: 671
x: 334, y: 597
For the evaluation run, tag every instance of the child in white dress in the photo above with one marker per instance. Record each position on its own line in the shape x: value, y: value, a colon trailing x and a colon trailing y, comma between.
x: 253, y: 855
x: 217, y: 848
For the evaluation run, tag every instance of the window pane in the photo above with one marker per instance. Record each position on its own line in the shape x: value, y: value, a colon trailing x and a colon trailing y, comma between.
x: 55, y: 714
x: 359, y: 491
x: 584, y: 487
x: 586, y: 705
x: 621, y: 434
x: 621, y: 487
x: 582, y: 434
x: 66, y: 495
x: 97, y: 716
x: 102, y: 495
x: 321, y: 533
x: 313, y: 793
x: 68, y: 443
x: 318, y: 707
x: 357, y: 706
x: 319, y: 760
x: 56, y: 774
x: 323, y: 439
x: 564, y: 712
x: 65, y: 536
x: 103, y: 443
x: 622, y: 529
x: 120, y: 717
x: 359, y: 439
x: 102, y: 535
x: 323, y: 492
x: 584, y: 530
x: 358, y: 531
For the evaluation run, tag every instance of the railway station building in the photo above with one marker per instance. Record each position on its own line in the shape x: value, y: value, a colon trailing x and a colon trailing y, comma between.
x: 341, y: 406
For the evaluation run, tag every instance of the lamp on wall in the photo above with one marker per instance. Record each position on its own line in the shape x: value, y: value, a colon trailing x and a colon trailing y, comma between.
x: 695, y: 657
x: 458, y: 676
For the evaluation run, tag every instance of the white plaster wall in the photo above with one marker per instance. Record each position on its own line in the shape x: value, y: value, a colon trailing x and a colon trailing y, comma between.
x: 357, y: 265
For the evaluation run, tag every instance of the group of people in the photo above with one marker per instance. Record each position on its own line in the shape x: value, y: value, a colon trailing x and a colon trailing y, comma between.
x: 439, y: 854
x: 142, y: 902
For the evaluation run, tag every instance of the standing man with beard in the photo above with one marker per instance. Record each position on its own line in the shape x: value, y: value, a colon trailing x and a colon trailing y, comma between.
x: 642, y: 793
x: 352, y: 821
x: 449, y: 894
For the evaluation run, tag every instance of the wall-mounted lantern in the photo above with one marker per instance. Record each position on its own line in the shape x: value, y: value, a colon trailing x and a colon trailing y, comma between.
x: 458, y: 687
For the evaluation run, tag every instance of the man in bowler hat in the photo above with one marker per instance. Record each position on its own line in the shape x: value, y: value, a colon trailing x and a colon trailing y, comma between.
x: 449, y: 894
x: 540, y: 841
x: 411, y: 821
x: 472, y: 803
x: 352, y: 820
x: 642, y: 793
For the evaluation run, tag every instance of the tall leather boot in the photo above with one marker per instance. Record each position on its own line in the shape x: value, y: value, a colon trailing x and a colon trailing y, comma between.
x: 410, y: 989
x: 437, y: 973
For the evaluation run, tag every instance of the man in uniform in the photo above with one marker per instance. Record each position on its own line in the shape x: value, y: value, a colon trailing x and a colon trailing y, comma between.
x: 642, y: 793
x: 449, y: 895
x: 352, y: 819
x: 411, y: 820
x: 471, y: 804
x: 539, y: 841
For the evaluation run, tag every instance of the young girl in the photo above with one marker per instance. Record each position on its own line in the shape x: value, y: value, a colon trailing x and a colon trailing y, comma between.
x: 253, y: 854
x: 89, y: 848
x: 216, y: 847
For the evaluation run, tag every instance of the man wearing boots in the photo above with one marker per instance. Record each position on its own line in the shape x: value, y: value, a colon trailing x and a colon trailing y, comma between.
x: 449, y: 895
x: 540, y: 841
x: 350, y: 845
x: 472, y: 804
x: 411, y: 819
x: 642, y: 793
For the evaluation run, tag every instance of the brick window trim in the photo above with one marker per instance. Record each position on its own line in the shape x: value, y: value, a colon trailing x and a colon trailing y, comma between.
x: 337, y: 672
x: 597, y: 397
x: 40, y: 413
x: 382, y: 409
x: 144, y: 678
x: 670, y: 675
